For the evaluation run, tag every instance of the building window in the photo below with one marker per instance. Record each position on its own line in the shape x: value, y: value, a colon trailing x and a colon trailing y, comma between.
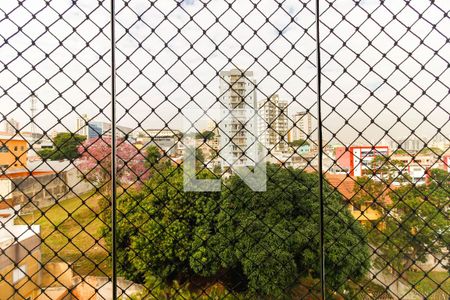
x: 3, y: 149
x: 15, y: 148
x: 19, y: 273
x: 22, y: 148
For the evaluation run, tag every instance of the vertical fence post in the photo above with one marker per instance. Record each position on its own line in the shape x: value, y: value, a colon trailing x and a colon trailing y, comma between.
x: 320, y: 152
x: 113, y: 153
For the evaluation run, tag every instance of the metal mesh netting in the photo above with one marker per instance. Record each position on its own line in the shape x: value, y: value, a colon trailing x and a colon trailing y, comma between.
x: 221, y: 185
x: 55, y: 68
x: 386, y: 83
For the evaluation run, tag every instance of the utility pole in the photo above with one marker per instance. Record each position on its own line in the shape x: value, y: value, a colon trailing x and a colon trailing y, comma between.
x: 33, y: 110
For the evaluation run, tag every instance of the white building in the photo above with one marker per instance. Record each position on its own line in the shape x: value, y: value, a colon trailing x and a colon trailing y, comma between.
x: 302, y: 127
x: 10, y: 126
x: 410, y: 144
x: 11, y: 233
x: 238, y: 126
x: 165, y: 139
x: 214, y: 142
x: 20, y: 259
x: 273, y: 124
x: 82, y: 125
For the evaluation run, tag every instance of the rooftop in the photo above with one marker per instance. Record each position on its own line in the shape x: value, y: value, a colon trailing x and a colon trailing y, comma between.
x: 11, y: 233
x: 10, y: 137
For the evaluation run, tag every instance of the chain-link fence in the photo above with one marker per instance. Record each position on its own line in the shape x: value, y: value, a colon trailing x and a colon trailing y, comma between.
x: 224, y: 149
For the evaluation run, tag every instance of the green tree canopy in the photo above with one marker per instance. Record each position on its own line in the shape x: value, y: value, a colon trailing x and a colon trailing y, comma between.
x: 299, y: 143
x: 160, y: 233
x: 273, y: 236
x: 416, y: 225
x: 153, y: 155
x: 205, y: 135
x: 65, y: 147
x: 265, y: 241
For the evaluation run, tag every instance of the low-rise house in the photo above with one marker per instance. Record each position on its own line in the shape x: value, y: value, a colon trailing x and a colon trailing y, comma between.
x: 13, y: 152
x: 23, y: 187
x: 20, y: 257
x: 345, y: 185
x: 165, y: 139
x: 417, y: 166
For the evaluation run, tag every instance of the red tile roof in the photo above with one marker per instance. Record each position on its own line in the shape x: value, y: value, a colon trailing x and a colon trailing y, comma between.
x: 345, y: 185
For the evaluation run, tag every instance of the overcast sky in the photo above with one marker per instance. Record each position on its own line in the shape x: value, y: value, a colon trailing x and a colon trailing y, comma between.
x: 159, y: 43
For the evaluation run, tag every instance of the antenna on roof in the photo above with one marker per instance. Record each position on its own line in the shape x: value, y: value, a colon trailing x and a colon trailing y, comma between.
x: 33, y: 109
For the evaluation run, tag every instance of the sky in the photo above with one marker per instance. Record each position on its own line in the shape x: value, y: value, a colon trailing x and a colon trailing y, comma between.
x: 379, y: 73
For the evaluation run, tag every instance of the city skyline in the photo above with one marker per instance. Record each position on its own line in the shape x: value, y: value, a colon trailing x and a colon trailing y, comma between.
x: 8, y: 123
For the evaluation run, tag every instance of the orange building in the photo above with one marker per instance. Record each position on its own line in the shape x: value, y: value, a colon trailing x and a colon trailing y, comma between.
x: 345, y: 185
x: 13, y: 152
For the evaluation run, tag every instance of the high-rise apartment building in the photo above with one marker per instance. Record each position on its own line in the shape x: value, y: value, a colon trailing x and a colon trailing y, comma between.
x: 82, y: 125
x: 302, y: 127
x: 273, y: 125
x: 238, y: 125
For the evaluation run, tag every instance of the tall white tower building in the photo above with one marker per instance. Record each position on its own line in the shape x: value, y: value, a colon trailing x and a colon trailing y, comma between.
x: 273, y: 125
x: 238, y: 125
x: 82, y: 125
x: 302, y: 127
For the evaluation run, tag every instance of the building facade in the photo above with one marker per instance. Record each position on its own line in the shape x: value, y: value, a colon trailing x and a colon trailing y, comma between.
x: 417, y: 166
x: 82, y: 125
x: 273, y: 125
x: 13, y: 152
x: 165, y: 139
x: 446, y: 162
x: 302, y: 127
x: 20, y: 264
x: 10, y: 126
x: 97, y: 129
x: 239, y: 118
x: 355, y: 159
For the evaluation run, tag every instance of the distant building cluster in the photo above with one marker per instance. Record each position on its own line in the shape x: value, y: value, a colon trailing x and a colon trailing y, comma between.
x: 10, y: 126
x: 246, y: 125
x: 95, y: 129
